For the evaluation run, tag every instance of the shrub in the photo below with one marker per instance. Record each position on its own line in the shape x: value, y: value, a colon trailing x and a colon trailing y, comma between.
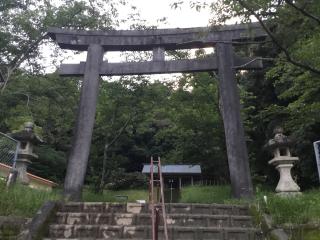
x: 123, y: 180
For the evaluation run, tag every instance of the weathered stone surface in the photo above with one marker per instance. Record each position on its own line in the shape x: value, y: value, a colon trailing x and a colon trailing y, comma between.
x: 137, y: 208
x: 78, y: 157
x: 283, y: 161
x: 156, y: 67
x: 279, y: 234
x: 214, y: 209
x: 240, y: 177
x: 144, y: 231
x: 39, y: 223
x: 27, y: 139
x: 11, y: 220
x: 286, y: 184
x: 159, y: 40
x: 11, y: 226
x: 132, y: 221
x: 143, y: 40
x: 126, y: 219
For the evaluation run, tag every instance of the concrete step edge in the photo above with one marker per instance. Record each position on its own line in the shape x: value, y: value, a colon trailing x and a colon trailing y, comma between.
x: 68, y: 226
x: 167, y: 204
x: 238, y: 210
x: 148, y: 214
x: 93, y: 239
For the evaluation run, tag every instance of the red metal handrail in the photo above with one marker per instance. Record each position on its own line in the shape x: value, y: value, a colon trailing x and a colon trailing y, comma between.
x: 157, y: 206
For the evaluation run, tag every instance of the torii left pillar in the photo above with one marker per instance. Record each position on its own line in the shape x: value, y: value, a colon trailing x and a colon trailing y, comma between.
x: 78, y: 159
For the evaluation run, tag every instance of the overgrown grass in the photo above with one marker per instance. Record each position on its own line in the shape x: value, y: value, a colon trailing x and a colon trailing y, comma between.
x: 22, y: 201
x: 304, y: 208
x: 205, y: 194
x: 301, y: 209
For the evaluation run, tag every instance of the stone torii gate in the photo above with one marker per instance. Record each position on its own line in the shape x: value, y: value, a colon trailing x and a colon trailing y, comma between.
x: 96, y: 43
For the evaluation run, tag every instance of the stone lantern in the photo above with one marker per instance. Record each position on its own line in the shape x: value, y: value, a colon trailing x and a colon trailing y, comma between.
x: 283, y: 162
x: 27, y: 139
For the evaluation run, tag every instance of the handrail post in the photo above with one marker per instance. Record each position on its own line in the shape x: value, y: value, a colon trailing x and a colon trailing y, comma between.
x: 159, y: 206
x: 16, y: 155
x: 162, y: 201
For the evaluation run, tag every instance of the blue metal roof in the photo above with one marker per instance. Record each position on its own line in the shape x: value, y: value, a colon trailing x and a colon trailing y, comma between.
x: 174, y: 169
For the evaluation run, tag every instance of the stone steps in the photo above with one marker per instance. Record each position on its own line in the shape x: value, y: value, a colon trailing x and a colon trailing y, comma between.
x: 213, y: 209
x: 93, y: 239
x: 119, y: 221
x: 144, y: 232
x: 134, y: 219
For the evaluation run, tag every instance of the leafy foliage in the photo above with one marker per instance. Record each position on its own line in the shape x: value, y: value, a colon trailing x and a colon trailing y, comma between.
x: 286, y: 93
x: 24, y: 25
x: 180, y: 120
x: 22, y: 201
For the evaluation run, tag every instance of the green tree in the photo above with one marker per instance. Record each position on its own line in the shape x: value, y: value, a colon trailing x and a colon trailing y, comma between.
x: 51, y: 104
x: 288, y: 93
x: 24, y: 24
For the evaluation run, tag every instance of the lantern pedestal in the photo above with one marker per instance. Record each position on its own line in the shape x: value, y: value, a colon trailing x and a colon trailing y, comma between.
x: 22, y: 166
x: 286, y: 185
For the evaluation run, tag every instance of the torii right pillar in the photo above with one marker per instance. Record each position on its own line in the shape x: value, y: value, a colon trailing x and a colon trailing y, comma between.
x: 233, y: 126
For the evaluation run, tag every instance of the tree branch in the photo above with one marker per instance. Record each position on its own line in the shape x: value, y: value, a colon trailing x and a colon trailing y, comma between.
x: 105, y: 152
x: 23, y: 56
x: 301, y: 10
x: 16, y: 62
x: 120, y: 131
x: 1, y: 78
x: 6, y: 79
x: 275, y: 40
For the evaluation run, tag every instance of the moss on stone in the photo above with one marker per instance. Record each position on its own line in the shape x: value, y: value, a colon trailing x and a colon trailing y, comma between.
x: 8, y: 232
x: 303, y: 233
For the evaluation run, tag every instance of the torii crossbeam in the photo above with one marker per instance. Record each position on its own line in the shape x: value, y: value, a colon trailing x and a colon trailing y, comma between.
x: 159, y: 40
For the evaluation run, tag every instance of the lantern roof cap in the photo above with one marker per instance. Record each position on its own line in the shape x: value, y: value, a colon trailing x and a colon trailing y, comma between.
x: 27, y: 134
x: 279, y: 140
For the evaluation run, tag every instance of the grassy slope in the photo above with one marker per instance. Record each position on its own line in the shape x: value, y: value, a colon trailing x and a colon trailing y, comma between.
x: 22, y: 201
x: 205, y: 194
x: 298, y: 210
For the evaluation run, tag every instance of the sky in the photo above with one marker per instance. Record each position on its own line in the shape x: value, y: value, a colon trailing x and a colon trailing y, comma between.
x: 183, y: 17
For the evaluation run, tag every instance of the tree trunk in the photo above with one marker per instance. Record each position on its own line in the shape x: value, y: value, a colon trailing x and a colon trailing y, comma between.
x: 105, y: 154
x: 234, y: 132
x: 104, y: 169
x: 78, y: 159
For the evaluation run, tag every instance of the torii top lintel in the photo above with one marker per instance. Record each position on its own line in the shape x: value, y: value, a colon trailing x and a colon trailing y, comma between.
x: 168, y: 39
